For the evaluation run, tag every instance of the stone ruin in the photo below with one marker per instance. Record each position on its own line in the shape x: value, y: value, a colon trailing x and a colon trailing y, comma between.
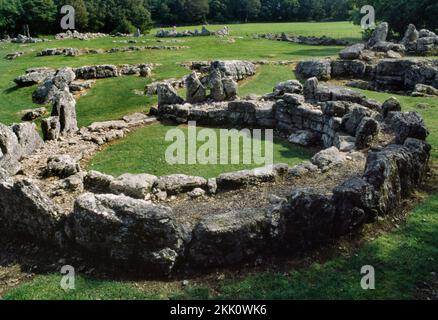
x: 379, y: 65
x: 76, y: 80
x: 314, y: 41
x: 373, y: 155
x: 78, y: 35
x: 173, y: 33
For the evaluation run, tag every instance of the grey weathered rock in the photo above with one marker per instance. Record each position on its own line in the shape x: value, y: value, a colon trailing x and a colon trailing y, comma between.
x: 212, y: 185
x: 26, y: 210
x: 196, y: 193
x: 352, y: 52
x: 62, y: 166
x: 137, y: 186
x: 179, y: 183
x: 408, y: 125
x: 305, y: 138
x: 32, y: 114
x: 64, y: 107
x: 195, y: 90
x: 310, y: 88
x: 230, y: 237
x: 96, y: 72
x: 34, y: 76
x: 230, y: 88
x: 51, y: 128
x: 63, y: 78
x: 45, y: 93
x: 127, y: 230
x: 348, y: 69
x: 167, y: 95
x: 355, y: 205
x: 422, y: 90
x: 236, y: 69
x: 238, y: 179
x: 28, y: 137
x: 302, y: 169
x: 216, y: 85
x: 10, y: 150
x: 320, y: 69
x: 328, y: 158
x: 411, y: 35
x: 307, y: 219
x: 390, y: 105
x: 352, y: 120
x: 97, y: 182
x: 344, y: 142
x: 290, y: 86
x: 379, y: 34
x: 367, y: 130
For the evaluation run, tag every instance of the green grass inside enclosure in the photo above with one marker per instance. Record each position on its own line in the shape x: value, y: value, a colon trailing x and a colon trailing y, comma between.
x: 144, y: 151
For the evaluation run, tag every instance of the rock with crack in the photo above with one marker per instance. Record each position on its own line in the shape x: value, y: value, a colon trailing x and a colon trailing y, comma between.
x: 167, y: 95
x: 367, y: 130
x: 179, y: 183
x: 10, y: 150
x: 51, y: 128
x: 34, y: 76
x: 97, y: 182
x: 196, y: 91
x: 62, y: 166
x: 328, y: 158
x: 25, y: 210
x: 128, y: 231
x: 230, y: 237
x: 290, y: 86
x: 320, y: 69
x: 352, y: 52
x: 307, y: 219
x: 216, y: 85
x: 379, y: 35
x: 28, y: 137
x: 138, y: 186
x: 236, y: 180
x: 64, y: 107
x: 408, y: 125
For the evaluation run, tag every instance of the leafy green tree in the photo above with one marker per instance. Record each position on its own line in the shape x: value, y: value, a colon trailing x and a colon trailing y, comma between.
x: 39, y: 15
x: 196, y: 10
x: 10, y: 13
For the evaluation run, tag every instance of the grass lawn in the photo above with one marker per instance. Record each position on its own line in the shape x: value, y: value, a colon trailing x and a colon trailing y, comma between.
x: 403, y: 258
x: 143, y: 151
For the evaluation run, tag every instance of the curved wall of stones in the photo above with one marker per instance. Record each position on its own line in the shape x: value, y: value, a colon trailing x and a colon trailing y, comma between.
x: 115, y: 219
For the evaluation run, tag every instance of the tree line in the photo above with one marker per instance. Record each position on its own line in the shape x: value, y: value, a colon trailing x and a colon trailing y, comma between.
x: 110, y: 16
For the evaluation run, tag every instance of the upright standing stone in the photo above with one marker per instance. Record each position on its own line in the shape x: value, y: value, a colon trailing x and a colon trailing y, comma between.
x: 51, y: 128
x: 65, y: 108
x: 195, y: 90
x: 216, y: 85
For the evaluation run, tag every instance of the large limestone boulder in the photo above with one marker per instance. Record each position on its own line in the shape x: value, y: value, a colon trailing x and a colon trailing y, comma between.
x: 320, y: 69
x: 238, y: 179
x: 290, y: 86
x: 34, y: 76
x: 97, y: 182
x: 367, y: 130
x: 62, y: 166
x: 352, y: 52
x: 28, y: 137
x: 411, y: 35
x: 64, y: 107
x: 51, y: 128
x: 307, y: 218
x: 408, y: 125
x: 196, y: 92
x: 379, y: 34
x: 329, y: 158
x: 127, y: 230
x: 137, y: 186
x: 236, y: 69
x: 10, y: 150
x: 230, y: 237
x: 26, y: 210
x: 216, y: 85
x: 179, y: 183
x: 167, y: 95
